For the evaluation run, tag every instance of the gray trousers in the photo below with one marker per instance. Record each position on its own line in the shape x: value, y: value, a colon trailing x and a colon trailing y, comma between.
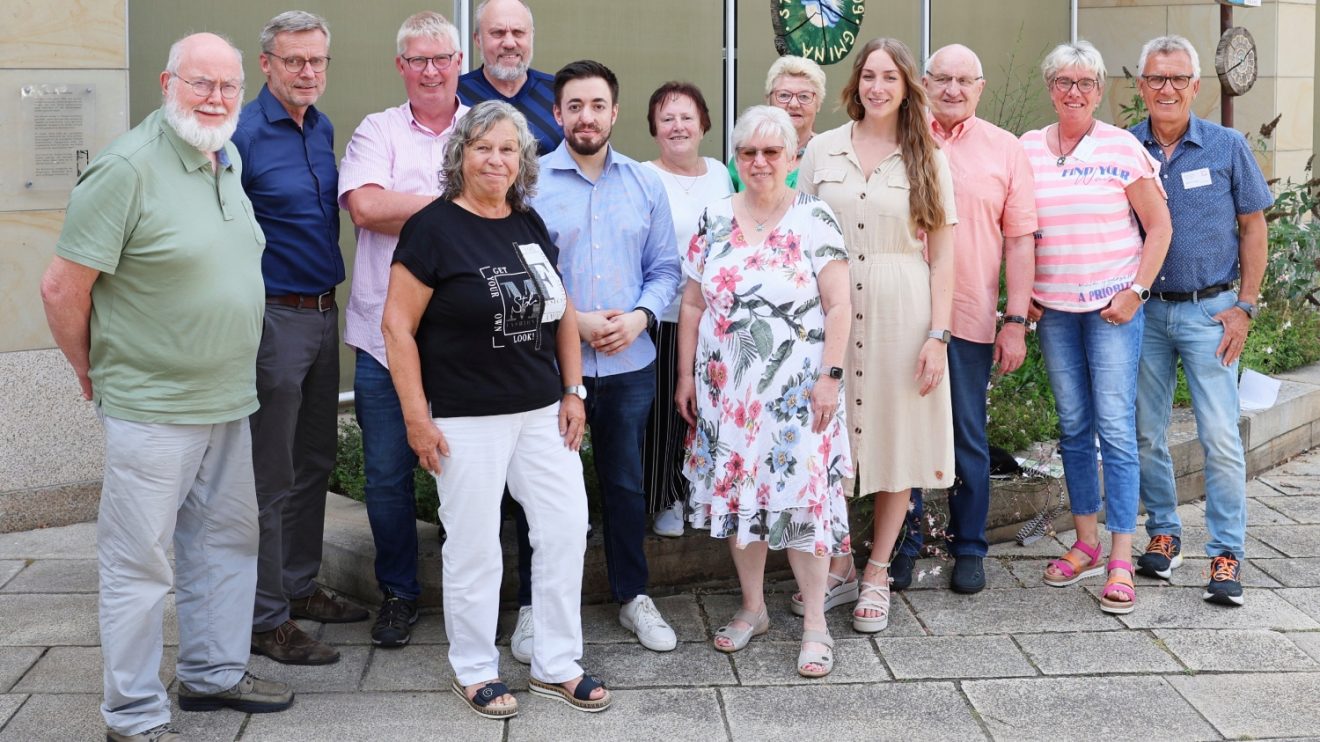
x: 293, y: 452
x: 192, y: 484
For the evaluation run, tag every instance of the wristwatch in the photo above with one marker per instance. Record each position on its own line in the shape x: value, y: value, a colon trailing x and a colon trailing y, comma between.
x: 650, y: 317
x: 1015, y: 319
x: 578, y: 390
x: 1249, y: 308
x: 834, y: 372
x: 1142, y: 292
x: 941, y: 335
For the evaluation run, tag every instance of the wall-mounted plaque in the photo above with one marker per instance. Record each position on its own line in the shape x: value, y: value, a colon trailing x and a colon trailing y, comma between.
x: 58, y: 130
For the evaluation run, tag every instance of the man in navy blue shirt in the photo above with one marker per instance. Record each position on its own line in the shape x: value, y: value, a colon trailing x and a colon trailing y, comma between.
x: 290, y: 176
x: 1217, y: 197
x: 504, y: 36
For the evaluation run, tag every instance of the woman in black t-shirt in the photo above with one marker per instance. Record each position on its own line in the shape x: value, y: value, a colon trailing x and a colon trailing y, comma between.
x: 483, y: 347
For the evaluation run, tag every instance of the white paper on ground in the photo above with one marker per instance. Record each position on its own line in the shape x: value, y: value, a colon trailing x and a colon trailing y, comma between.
x: 1256, y: 391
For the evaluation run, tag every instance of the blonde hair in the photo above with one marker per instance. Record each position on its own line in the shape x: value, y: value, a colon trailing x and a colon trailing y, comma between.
x: 427, y: 24
x: 917, y: 146
x: 796, y: 67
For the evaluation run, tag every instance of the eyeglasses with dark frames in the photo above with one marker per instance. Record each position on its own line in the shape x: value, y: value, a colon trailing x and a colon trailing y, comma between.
x: 296, y: 64
x: 1084, y: 85
x: 441, y: 62
x: 1157, y: 82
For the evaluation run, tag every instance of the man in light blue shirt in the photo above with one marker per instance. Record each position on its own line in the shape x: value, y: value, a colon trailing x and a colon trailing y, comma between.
x: 610, y: 218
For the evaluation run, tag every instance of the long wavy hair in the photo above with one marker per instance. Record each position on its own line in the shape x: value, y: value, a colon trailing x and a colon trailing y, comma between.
x: 925, y: 201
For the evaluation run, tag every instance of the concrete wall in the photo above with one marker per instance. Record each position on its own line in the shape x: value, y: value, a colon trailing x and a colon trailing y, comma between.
x: 1285, y: 34
x: 50, y: 449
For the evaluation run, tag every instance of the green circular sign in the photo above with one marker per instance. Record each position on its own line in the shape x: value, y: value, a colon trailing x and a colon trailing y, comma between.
x: 823, y: 31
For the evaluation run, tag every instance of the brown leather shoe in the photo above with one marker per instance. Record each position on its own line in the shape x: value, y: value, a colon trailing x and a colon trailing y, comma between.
x: 324, y: 607
x: 289, y: 644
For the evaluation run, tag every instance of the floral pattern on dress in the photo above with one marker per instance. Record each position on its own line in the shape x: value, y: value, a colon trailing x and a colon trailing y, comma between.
x: 758, y: 472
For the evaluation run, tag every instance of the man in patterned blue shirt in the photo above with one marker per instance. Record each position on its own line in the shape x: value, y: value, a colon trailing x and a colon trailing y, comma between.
x: 504, y: 35
x: 1217, y: 197
x: 610, y: 217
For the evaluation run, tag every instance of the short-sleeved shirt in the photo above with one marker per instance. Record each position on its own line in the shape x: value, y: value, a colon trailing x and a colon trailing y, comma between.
x: 688, y: 198
x: 1088, y: 245
x: 290, y: 175
x: 483, y: 345
x: 177, y: 310
x: 535, y: 100
x: 616, y: 243
x: 995, y: 193
x: 1211, y: 179
x: 393, y: 150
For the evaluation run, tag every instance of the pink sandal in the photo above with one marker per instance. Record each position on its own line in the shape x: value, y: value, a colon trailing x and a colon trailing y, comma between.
x: 1119, y: 586
x: 1071, y: 569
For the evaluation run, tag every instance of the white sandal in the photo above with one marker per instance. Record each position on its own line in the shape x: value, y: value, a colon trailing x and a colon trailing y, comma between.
x: 843, y: 592
x: 824, y: 659
x: 879, y: 603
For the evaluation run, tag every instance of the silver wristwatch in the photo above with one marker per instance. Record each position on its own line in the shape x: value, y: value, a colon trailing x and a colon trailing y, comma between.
x: 578, y: 390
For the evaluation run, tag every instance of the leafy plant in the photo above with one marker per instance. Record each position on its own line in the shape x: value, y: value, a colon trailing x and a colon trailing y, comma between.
x: 1015, y: 106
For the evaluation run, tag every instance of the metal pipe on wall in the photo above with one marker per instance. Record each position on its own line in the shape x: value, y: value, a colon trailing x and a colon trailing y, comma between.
x: 730, y: 73
x: 925, y: 31
x: 1072, y: 21
x: 463, y: 20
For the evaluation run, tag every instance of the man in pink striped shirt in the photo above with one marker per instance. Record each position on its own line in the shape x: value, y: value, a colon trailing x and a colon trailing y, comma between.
x: 997, y: 209
x: 390, y: 170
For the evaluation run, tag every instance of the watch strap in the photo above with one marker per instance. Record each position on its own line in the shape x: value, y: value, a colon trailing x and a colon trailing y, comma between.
x: 1247, y: 307
x: 1015, y: 319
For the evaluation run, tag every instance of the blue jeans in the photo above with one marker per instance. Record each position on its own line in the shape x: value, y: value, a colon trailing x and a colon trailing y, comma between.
x: 1188, y: 331
x: 389, y: 463
x: 617, y: 410
x: 969, y: 503
x: 1093, y: 372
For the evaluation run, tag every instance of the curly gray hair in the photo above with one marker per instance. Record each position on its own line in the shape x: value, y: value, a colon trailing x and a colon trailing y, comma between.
x: 473, y: 126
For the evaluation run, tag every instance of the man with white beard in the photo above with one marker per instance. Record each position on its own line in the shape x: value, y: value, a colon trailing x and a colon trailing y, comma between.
x: 155, y: 296
x: 504, y: 35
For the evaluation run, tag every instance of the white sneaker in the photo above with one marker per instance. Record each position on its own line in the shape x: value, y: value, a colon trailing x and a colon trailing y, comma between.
x: 669, y: 522
x: 641, y: 617
x: 521, y: 641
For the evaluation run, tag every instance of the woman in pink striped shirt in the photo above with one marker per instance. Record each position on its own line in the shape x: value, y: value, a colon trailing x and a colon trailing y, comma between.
x: 1093, y: 269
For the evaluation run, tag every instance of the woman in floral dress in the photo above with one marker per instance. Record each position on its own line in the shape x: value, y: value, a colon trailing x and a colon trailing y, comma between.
x: 761, y: 338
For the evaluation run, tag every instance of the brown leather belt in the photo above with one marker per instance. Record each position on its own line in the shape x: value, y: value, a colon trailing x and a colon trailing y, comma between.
x: 1199, y: 294
x: 320, y: 302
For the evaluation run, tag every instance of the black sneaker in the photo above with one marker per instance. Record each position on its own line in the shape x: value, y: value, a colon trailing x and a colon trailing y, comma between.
x: 1163, y: 555
x: 1224, y: 587
x: 394, y: 622
x: 900, y: 571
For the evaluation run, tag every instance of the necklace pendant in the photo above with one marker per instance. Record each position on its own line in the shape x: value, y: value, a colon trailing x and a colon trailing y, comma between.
x: 760, y: 228
x: 1062, y: 159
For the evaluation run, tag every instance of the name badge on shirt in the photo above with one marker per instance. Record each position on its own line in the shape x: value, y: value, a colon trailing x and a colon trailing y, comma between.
x: 1196, y: 178
x: 547, y: 281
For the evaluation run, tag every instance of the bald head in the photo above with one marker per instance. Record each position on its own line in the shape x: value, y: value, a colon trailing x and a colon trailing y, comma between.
x: 954, y: 84
x: 203, y: 88
x: 504, y: 35
x: 955, y: 54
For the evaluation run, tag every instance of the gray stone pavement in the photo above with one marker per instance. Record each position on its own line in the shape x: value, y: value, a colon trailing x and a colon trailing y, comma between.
x: 1018, y: 661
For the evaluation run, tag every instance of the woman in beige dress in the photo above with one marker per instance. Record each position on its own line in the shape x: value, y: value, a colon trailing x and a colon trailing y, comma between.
x: 890, y: 186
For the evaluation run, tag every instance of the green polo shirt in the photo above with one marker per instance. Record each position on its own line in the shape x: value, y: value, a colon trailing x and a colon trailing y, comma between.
x: 177, y: 310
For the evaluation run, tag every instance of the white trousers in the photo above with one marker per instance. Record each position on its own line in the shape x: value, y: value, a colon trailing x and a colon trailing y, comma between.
x: 192, y: 484
x: 526, y: 451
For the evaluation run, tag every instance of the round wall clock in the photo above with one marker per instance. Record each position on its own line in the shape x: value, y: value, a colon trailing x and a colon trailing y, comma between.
x: 823, y: 31
x: 1235, y: 61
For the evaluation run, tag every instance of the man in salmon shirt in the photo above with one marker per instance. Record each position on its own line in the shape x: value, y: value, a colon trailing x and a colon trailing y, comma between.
x: 993, y: 189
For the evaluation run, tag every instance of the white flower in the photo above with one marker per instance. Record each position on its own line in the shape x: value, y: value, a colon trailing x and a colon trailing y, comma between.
x: 1269, y: 350
x: 1287, y: 324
